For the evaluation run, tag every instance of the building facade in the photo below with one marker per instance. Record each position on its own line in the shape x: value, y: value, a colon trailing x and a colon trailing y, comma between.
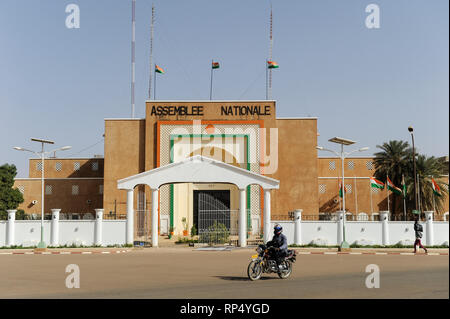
x: 247, y: 134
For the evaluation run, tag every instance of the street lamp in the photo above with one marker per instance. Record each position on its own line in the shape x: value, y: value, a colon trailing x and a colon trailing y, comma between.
x: 42, y: 154
x: 410, y: 129
x: 342, y: 155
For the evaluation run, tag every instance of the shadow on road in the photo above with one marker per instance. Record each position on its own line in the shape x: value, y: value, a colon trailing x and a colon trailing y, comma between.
x: 235, y: 278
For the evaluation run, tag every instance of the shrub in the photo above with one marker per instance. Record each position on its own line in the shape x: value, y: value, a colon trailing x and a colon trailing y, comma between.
x: 217, y: 233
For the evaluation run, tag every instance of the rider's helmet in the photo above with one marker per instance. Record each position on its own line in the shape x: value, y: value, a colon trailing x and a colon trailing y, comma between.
x: 277, y: 229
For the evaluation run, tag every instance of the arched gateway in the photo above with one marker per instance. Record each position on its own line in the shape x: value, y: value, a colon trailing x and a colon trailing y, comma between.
x: 198, y: 169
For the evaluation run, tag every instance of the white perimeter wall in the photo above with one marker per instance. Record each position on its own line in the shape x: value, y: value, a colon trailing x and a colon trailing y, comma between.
x: 78, y: 232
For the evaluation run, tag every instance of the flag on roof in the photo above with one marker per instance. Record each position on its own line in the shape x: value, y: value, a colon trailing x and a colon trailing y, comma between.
x: 159, y: 69
x: 215, y: 65
x: 272, y: 65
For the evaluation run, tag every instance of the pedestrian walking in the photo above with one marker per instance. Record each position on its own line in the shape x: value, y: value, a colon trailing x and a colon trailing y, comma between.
x: 419, y: 233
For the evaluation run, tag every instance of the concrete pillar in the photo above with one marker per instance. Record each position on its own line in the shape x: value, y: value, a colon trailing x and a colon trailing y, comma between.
x: 98, y: 226
x: 340, y: 225
x: 10, y: 227
x: 267, y: 228
x: 429, y: 235
x: 242, y: 218
x: 54, y: 240
x: 384, y: 219
x: 155, y: 207
x: 130, y: 217
x: 298, y: 226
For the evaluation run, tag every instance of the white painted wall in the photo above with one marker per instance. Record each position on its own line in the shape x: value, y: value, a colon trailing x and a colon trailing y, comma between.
x: 28, y: 232
x: 78, y: 232
x: 440, y: 232
x: 363, y: 232
x: 402, y: 231
x: 288, y: 229
x: 2, y: 233
x: 114, y: 232
x: 318, y: 232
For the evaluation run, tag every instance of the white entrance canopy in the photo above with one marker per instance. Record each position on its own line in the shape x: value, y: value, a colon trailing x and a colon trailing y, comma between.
x: 198, y: 169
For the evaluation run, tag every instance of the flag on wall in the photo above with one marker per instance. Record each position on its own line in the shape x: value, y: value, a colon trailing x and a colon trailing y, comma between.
x: 159, y: 69
x: 272, y: 65
x: 376, y: 183
x: 436, y: 188
x: 393, y: 188
x: 215, y: 65
x: 340, y: 189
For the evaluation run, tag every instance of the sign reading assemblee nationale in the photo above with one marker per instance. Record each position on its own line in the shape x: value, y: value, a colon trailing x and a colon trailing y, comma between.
x: 197, y: 110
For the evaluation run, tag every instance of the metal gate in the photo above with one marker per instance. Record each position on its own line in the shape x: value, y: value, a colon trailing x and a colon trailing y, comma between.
x: 142, y: 229
x: 217, y: 224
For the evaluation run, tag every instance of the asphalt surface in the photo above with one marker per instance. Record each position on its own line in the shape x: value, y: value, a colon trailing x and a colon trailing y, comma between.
x: 187, y: 273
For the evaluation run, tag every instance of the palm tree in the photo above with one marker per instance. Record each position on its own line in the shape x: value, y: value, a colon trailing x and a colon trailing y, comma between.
x: 393, y: 160
x: 428, y: 168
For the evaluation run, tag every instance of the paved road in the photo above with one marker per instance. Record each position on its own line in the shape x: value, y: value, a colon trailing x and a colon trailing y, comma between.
x: 184, y: 273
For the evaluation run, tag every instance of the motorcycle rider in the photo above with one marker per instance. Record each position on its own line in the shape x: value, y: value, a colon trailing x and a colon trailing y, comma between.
x: 279, y: 245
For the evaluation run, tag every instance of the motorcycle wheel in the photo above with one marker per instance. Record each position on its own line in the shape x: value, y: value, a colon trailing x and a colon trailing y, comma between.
x: 254, y: 270
x: 288, y: 270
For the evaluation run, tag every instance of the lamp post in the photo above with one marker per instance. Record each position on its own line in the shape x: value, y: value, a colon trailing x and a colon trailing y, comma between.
x: 411, y: 130
x: 42, y: 155
x: 342, y: 156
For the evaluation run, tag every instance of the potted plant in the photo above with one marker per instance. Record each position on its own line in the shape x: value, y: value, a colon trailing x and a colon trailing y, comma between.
x: 185, y: 230
x: 170, y: 232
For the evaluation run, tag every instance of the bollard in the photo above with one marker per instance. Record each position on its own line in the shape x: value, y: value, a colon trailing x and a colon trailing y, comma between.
x: 384, y: 219
x: 298, y: 226
x: 429, y: 235
x: 55, y: 227
x: 10, y: 227
x: 98, y: 226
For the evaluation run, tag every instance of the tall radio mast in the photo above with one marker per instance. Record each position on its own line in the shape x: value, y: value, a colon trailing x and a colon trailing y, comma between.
x: 270, y: 54
x: 151, y: 52
x: 133, y: 39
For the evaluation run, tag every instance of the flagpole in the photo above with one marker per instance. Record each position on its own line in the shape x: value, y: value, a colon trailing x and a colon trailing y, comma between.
x: 356, y: 197
x: 210, y: 87
x: 370, y: 190
x: 154, y: 85
x: 267, y: 90
x: 418, y: 196
x: 387, y: 191
x: 404, y: 195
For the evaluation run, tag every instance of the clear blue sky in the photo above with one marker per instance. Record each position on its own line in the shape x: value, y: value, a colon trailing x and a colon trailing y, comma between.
x: 363, y: 84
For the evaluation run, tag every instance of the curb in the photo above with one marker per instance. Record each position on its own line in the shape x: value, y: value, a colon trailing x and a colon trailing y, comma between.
x: 64, y: 252
x: 366, y: 253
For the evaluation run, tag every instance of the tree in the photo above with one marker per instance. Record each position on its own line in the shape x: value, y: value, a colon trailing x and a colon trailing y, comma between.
x: 10, y: 197
x: 428, y: 168
x: 393, y: 160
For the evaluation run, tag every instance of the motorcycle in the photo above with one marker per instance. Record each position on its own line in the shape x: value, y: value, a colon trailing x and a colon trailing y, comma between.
x: 263, y: 262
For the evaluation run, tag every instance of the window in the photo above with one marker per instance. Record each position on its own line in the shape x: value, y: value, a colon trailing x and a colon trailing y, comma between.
x: 21, y: 188
x: 322, y: 188
x: 75, y: 190
x: 48, y: 189
x: 39, y: 166
x: 351, y: 164
x: 369, y: 165
x: 95, y: 166
x: 375, y: 190
x: 348, y: 187
x: 58, y: 166
x: 76, y: 166
x: 332, y: 165
x: 100, y: 189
